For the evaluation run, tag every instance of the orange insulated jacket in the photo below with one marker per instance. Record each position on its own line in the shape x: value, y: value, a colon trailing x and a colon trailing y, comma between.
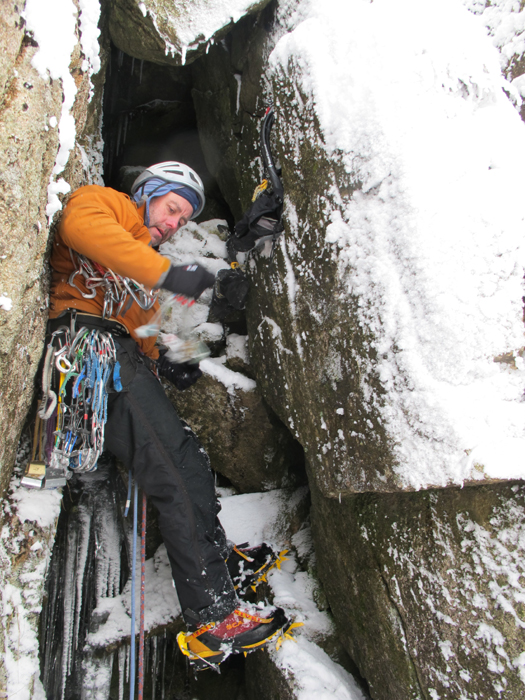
x: 108, y: 228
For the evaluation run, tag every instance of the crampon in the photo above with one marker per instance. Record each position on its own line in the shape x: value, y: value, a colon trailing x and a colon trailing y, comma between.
x: 249, y: 566
x: 241, y: 632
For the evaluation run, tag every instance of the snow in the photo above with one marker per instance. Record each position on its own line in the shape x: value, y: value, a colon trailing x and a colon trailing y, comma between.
x: 53, y: 25
x: 6, y: 303
x: 41, y: 507
x: 505, y: 21
x: 237, y: 347
x: 198, y: 243
x: 255, y: 518
x: 252, y: 518
x: 196, y: 22
x: 431, y: 241
x: 162, y: 603
x: 214, y: 367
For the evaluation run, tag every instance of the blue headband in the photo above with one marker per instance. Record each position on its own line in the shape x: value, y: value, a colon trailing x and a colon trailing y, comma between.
x: 156, y: 187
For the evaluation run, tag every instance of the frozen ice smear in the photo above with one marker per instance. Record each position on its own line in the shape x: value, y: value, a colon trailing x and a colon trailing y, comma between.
x: 432, y: 240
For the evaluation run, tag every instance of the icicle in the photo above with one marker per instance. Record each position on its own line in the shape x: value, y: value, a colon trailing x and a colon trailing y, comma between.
x: 154, y: 668
x: 126, y: 118
x: 96, y: 677
x: 132, y: 64
x: 121, y: 671
x: 82, y: 560
x: 238, y: 78
x: 141, y: 66
x: 163, y: 664
x: 120, y: 58
x: 108, y: 551
x: 118, y: 133
x: 69, y: 604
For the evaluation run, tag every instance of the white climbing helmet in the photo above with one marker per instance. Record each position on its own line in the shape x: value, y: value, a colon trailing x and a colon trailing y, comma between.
x: 172, y: 171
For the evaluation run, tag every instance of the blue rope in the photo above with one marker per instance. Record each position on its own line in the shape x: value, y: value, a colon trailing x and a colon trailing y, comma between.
x: 133, y: 567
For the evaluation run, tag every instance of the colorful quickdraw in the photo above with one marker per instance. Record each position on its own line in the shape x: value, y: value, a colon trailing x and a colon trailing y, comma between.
x: 86, y: 364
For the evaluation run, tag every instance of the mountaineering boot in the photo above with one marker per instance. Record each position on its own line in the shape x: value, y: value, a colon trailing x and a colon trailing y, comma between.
x: 248, y: 566
x: 245, y: 629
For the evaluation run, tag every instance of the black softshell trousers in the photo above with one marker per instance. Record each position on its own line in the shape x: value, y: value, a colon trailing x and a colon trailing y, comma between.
x: 145, y: 433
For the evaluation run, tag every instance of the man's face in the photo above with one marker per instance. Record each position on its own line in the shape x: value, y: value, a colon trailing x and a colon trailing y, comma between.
x: 167, y: 214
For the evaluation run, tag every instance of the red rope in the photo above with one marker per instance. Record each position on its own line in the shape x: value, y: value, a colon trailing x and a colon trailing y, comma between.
x: 142, y: 589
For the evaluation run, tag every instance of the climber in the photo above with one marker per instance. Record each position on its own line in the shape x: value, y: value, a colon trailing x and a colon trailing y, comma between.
x: 104, y: 264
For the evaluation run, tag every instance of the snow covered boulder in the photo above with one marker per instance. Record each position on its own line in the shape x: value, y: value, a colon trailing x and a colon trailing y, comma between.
x: 245, y: 441
x: 174, y: 31
x: 427, y: 589
x: 377, y: 333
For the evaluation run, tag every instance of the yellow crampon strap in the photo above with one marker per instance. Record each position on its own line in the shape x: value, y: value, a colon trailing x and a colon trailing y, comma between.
x: 192, y: 656
x: 235, y: 548
x: 280, y: 559
x: 259, y: 189
x: 287, y: 634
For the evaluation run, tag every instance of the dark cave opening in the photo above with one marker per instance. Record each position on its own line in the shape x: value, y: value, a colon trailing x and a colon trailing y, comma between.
x: 149, y: 117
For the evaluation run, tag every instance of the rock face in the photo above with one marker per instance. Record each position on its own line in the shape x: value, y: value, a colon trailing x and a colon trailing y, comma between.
x: 425, y: 586
x: 425, y: 578
x: 29, y: 138
x: 237, y: 431
x: 431, y: 581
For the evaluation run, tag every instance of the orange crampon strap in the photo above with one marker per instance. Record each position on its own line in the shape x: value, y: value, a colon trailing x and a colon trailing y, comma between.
x: 211, y: 625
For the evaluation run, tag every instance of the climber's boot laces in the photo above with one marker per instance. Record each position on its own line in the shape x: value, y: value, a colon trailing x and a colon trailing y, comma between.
x: 249, y: 566
x: 241, y: 632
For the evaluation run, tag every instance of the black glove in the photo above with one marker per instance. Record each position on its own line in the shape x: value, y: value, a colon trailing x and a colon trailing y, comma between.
x: 181, y: 375
x: 188, y: 280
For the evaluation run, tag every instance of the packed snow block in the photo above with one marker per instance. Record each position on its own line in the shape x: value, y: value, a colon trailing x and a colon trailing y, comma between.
x: 427, y: 589
x: 243, y: 438
x: 173, y: 31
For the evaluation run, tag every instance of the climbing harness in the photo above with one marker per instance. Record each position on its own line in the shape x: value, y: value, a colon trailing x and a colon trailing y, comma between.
x: 119, y: 292
x: 77, y: 372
